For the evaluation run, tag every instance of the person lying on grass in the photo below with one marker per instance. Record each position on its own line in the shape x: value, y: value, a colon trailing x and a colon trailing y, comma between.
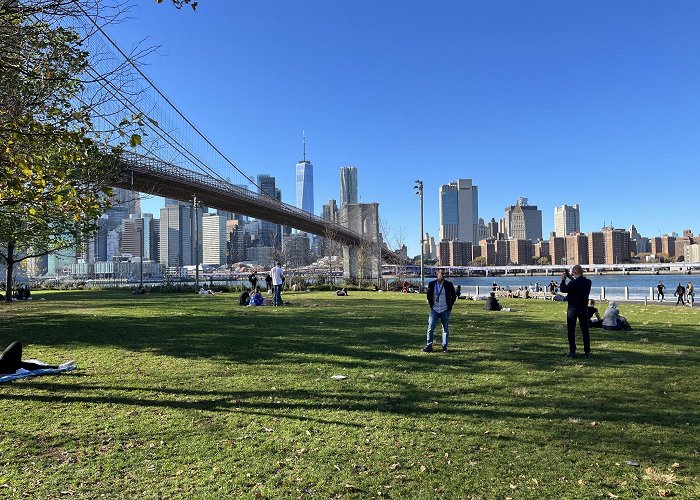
x: 11, y: 361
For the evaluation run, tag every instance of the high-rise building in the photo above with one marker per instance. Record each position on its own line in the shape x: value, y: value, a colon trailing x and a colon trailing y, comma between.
x: 541, y: 249
x: 236, y: 245
x: 429, y: 250
x: 176, y: 242
x: 523, y: 221
x: 138, y: 234
x: 577, y: 249
x: 270, y: 233
x: 617, y: 245
x: 459, y: 211
x: 567, y: 220
x: 520, y: 252
x: 455, y: 253
x: 213, y: 240
x: 348, y: 185
x: 596, y: 248
x: 668, y: 245
x: 330, y: 211
x: 482, y: 231
x: 492, y: 229
x: 305, y: 184
x: 557, y: 250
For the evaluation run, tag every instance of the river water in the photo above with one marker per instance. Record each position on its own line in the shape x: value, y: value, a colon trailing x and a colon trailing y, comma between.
x: 614, y: 284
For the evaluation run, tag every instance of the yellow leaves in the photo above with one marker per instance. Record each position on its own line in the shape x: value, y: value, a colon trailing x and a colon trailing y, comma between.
x: 651, y: 474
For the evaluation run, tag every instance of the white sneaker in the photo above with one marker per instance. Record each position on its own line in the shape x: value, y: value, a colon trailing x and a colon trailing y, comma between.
x: 68, y: 365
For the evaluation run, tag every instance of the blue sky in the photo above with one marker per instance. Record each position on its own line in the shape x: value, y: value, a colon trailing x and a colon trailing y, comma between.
x: 595, y: 103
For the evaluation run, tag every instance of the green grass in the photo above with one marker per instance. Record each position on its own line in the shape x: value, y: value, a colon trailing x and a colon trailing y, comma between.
x: 193, y: 396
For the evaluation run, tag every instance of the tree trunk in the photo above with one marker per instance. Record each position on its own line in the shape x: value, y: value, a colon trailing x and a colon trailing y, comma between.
x: 10, y: 265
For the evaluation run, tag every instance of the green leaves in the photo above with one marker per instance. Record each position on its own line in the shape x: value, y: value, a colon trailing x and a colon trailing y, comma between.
x: 135, y: 140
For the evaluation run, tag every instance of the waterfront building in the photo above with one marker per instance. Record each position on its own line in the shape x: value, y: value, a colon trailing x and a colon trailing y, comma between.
x: 348, y: 185
x: 692, y: 253
x: 455, y: 253
x: 520, y: 252
x: 567, y: 220
x: 236, y: 244
x: 557, y: 249
x: 176, y: 241
x: 656, y: 247
x: 617, y: 245
x: 596, y: 248
x: 577, y: 249
x: 264, y: 255
x: 541, y: 249
x: 214, y: 240
x: 459, y: 211
x: 680, y: 245
x: 668, y: 245
x: 496, y: 252
x: 523, y: 221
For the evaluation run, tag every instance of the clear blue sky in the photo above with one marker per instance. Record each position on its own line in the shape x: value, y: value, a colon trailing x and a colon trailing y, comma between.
x: 595, y: 103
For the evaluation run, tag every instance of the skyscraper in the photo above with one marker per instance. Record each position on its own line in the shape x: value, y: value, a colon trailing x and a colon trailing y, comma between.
x: 348, y: 185
x: 270, y: 233
x: 305, y: 184
x: 213, y: 240
x: 176, y: 236
x: 567, y: 220
x: 523, y: 221
x: 459, y: 210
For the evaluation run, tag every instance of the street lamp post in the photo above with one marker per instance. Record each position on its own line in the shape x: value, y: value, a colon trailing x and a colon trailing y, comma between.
x: 419, y: 191
x: 196, y: 242
x: 141, y: 252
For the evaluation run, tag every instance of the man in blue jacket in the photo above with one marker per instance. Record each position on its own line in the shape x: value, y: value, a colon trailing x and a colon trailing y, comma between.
x: 441, y: 297
x: 577, y: 292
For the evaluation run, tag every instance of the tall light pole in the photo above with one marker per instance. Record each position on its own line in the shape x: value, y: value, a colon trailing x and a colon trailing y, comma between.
x: 419, y: 191
x: 196, y: 242
x: 141, y: 252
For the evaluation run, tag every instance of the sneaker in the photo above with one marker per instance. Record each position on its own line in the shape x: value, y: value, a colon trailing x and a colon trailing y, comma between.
x: 444, y: 348
x: 428, y: 348
x: 571, y: 355
x: 68, y: 365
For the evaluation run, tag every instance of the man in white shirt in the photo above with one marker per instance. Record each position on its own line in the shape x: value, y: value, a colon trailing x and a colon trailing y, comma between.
x: 277, y: 275
x: 441, y: 297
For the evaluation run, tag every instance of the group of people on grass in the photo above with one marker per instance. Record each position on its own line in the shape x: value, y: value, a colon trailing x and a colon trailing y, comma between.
x: 441, y: 296
x: 274, y: 280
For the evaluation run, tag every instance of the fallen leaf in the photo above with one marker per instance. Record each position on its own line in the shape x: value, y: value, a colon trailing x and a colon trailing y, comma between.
x: 665, y: 493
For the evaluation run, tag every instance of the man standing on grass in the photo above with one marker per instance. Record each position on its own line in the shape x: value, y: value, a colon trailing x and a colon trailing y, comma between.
x: 441, y: 297
x: 577, y: 290
x: 277, y: 275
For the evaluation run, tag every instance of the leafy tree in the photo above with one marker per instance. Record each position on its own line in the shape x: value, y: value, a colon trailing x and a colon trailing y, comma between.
x: 53, y: 177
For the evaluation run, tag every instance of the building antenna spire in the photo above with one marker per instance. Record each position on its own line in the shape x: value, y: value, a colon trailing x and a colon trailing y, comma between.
x: 303, y: 140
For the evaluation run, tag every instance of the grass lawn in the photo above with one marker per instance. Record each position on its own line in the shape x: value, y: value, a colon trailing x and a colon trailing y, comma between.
x: 193, y: 396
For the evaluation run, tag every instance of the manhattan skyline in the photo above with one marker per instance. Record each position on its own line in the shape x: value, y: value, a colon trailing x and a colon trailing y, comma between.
x: 593, y: 105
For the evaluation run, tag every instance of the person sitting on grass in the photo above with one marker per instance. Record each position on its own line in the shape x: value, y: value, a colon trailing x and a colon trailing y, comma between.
x: 256, y: 299
x: 612, y: 319
x: 342, y: 292
x: 11, y: 361
x: 594, y: 320
x: 492, y: 303
x: 244, y: 298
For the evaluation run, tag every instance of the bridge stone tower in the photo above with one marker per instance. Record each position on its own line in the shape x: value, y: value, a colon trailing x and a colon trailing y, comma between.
x: 363, y: 261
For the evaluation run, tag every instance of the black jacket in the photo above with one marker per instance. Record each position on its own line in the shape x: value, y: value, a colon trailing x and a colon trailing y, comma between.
x: 450, y: 294
x: 577, y: 292
x: 492, y: 304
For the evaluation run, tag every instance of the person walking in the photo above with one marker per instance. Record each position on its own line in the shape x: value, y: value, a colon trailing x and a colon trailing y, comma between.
x: 660, y: 288
x: 441, y: 296
x: 680, y: 293
x: 577, y: 290
x: 277, y: 275
x: 690, y: 294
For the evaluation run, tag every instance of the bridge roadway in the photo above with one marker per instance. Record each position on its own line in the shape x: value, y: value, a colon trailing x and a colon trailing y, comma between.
x: 152, y: 176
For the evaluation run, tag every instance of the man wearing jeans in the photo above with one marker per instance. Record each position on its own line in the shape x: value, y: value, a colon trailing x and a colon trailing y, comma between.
x: 577, y: 291
x: 441, y: 296
x: 277, y: 275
